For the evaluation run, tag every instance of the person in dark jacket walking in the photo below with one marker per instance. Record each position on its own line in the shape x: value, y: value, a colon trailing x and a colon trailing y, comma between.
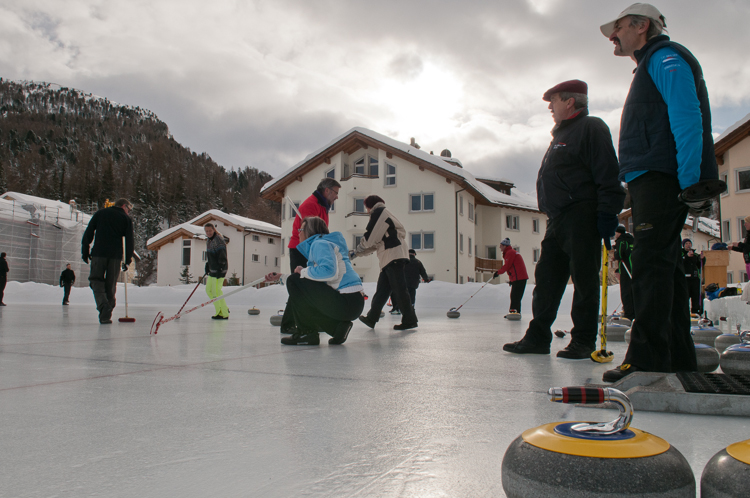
x: 67, y: 279
x: 109, y: 225
x: 386, y: 235
x: 514, y: 266
x: 577, y: 188
x: 692, y: 264
x: 217, y: 265
x: 623, y: 250
x: 413, y: 272
x: 666, y: 149
x: 744, y: 247
x: 3, y: 277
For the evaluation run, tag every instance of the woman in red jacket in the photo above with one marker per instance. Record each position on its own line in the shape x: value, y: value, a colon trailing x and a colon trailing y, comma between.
x: 517, y: 275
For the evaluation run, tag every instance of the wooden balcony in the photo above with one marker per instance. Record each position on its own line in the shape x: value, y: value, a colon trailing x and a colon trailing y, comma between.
x: 487, y: 265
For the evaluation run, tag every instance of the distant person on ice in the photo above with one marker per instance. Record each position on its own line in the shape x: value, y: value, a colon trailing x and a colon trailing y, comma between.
x: 577, y: 188
x: 318, y: 204
x: 414, y: 272
x: 744, y: 247
x: 514, y: 266
x: 217, y: 265
x: 692, y: 264
x: 67, y: 279
x: 327, y: 294
x: 109, y: 225
x: 3, y: 277
x: 386, y: 235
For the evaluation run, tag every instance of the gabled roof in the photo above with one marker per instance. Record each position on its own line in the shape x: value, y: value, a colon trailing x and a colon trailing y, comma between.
x: 731, y: 137
x: 362, y: 138
x: 194, y: 228
x: 32, y: 206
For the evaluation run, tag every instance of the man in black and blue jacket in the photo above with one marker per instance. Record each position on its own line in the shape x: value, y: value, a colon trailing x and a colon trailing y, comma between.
x: 666, y: 148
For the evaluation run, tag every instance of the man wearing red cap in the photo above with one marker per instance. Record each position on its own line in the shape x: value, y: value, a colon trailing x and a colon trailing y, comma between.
x: 578, y: 190
x: 666, y: 151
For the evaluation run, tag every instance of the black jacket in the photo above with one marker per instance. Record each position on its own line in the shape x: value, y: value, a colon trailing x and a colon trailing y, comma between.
x: 4, y: 268
x: 580, y: 166
x: 109, y: 225
x: 217, y: 263
x: 692, y: 264
x: 413, y: 270
x: 67, y: 277
x: 744, y: 248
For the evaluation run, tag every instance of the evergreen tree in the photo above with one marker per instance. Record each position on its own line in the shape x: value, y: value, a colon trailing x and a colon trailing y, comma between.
x: 185, y: 276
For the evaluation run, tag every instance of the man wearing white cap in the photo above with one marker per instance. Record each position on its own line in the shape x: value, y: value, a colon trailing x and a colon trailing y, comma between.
x: 666, y: 151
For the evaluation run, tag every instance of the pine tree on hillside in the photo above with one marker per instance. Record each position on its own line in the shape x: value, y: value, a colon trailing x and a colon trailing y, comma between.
x: 185, y: 276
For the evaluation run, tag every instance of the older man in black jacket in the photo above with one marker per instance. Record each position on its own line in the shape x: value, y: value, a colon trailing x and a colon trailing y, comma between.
x: 109, y: 225
x: 577, y: 188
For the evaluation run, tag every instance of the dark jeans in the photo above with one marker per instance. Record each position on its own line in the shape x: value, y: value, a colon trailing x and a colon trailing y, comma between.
x: 103, y: 276
x: 66, y: 287
x: 317, y: 306
x: 3, y: 281
x: 660, y: 340
x: 626, y: 293
x: 517, y: 289
x: 295, y: 259
x: 571, y: 248
x: 694, y: 291
x: 392, y: 282
x: 412, y: 297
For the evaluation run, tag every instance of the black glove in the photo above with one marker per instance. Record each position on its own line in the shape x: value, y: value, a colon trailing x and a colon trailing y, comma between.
x: 496, y: 274
x: 124, y: 267
x: 85, y: 257
x: 206, y: 272
x: 606, y: 224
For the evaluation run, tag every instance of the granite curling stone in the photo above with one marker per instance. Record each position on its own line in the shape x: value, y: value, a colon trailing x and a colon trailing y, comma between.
x: 723, y: 341
x: 727, y: 474
x: 453, y: 313
x: 276, y: 319
x: 616, y: 332
x: 587, y: 460
x: 708, y: 358
x: 736, y: 359
x: 253, y: 311
x: 705, y: 334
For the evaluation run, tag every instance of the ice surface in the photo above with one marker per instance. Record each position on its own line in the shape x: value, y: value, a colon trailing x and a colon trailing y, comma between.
x: 222, y: 409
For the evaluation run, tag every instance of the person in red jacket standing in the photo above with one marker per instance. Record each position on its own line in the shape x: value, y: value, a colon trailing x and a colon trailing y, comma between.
x: 517, y: 275
x: 318, y: 204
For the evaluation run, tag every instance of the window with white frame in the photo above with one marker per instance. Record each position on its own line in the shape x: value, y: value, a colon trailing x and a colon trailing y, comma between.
x: 390, y: 175
x: 491, y: 252
x: 283, y: 246
x: 421, y: 202
x: 461, y: 279
x: 461, y: 243
x: 461, y: 205
x: 256, y: 238
x: 331, y: 173
x: 265, y: 260
x: 730, y: 277
x: 205, y: 256
x: 743, y: 276
x: 366, y: 165
x: 469, y: 246
x: 741, y: 232
x: 357, y: 240
x: 423, y: 241
x: 186, y: 247
x: 743, y: 180
x: 255, y: 258
x: 536, y: 254
x: 471, y: 212
x: 271, y: 240
x: 359, y: 205
x: 726, y: 231
x: 535, y: 225
x: 283, y: 210
x: 292, y: 213
x: 512, y: 222
x: 275, y: 261
x: 724, y: 176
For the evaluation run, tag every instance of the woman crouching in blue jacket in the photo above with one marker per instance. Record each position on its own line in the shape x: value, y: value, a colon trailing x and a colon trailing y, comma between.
x: 327, y: 295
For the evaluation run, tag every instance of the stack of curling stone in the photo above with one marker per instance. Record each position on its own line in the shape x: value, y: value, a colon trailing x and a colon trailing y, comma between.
x: 708, y: 358
x: 587, y: 460
x: 453, y: 313
x: 736, y: 359
x: 276, y: 319
x: 253, y: 311
x: 705, y: 333
x: 727, y: 474
x: 723, y: 341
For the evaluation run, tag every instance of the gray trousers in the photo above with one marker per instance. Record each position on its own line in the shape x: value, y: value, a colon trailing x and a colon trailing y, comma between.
x: 103, y: 277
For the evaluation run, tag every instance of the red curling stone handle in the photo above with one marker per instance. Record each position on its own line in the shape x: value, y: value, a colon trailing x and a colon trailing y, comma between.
x: 578, y: 395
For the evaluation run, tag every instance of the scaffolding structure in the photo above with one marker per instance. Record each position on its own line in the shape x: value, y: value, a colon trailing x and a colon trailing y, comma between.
x: 40, y: 237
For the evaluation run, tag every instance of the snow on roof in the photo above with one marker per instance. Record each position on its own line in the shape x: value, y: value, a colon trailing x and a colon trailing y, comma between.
x: 40, y: 208
x: 198, y: 232
x: 706, y: 225
x: 733, y: 127
x: 514, y: 200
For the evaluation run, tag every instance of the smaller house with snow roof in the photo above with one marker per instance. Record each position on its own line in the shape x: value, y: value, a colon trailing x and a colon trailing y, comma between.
x: 454, y: 221
x: 253, y: 248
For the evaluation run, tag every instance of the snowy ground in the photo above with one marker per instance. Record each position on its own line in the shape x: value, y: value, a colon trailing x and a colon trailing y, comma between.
x: 209, y: 408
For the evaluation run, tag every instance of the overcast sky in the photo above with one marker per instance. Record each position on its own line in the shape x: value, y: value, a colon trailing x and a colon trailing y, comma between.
x: 263, y: 83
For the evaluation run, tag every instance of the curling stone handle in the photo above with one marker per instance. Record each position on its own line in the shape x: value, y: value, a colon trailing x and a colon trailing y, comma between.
x: 596, y: 396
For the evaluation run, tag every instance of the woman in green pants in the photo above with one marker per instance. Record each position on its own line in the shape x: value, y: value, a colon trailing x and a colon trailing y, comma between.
x: 216, y: 269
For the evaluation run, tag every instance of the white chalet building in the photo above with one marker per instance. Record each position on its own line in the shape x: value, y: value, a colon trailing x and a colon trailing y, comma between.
x: 253, y: 249
x: 454, y: 221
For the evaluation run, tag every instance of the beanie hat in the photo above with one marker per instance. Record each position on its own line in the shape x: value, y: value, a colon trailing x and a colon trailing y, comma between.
x: 505, y: 242
x: 684, y: 241
x: 620, y: 229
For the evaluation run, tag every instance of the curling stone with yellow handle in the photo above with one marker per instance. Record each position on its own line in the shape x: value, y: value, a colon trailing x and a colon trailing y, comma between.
x: 727, y: 474
x: 594, y: 460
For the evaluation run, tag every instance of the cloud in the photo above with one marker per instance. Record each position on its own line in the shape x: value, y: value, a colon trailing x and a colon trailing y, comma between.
x: 263, y: 83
